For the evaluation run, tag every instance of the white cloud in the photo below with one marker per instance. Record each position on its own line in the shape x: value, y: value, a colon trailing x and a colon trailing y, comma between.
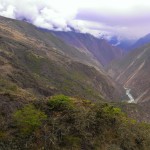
x: 8, y: 12
x: 46, y: 14
x: 124, y: 17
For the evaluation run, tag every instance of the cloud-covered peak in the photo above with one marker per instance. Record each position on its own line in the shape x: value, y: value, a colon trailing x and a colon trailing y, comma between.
x: 112, y: 17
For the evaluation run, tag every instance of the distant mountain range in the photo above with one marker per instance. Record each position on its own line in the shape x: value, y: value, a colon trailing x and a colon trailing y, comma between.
x: 128, y: 45
x: 124, y: 44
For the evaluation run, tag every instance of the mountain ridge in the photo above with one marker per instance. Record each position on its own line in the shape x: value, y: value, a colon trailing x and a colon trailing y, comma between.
x: 99, y: 48
x: 141, y: 41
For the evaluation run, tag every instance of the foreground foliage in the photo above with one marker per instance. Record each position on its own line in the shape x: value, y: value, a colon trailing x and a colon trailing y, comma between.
x: 65, y: 123
x: 28, y: 119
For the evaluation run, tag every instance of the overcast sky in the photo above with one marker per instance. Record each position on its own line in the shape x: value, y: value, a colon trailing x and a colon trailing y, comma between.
x: 126, y: 18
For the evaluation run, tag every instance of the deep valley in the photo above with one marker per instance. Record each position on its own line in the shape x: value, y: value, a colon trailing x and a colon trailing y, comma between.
x: 71, y: 91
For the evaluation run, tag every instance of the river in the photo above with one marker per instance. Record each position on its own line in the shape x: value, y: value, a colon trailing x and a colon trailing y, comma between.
x: 131, y: 98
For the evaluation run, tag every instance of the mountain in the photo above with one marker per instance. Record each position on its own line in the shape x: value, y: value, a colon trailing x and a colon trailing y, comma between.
x: 133, y: 72
x: 128, y: 45
x: 141, y: 42
x: 39, y: 63
x: 100, y: 49
x: 123, y: 43
x: 37, y: 69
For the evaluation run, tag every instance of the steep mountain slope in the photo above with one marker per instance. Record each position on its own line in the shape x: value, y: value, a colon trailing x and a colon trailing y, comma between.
x: 133, y: 72
x: 141, y: 42
x: 99, y: 48
x: 38, y: 63
x: 44, y: 39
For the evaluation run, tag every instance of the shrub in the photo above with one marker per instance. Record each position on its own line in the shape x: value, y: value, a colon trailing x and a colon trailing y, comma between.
x: 29, y: 118
x: 112, y: 111
x: 60, y: 102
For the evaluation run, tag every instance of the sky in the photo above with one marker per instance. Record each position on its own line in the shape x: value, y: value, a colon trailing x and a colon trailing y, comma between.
x: 124, y: 18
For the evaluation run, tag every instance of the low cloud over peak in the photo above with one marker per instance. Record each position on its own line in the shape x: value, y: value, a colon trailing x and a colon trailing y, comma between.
x: 114, y: 17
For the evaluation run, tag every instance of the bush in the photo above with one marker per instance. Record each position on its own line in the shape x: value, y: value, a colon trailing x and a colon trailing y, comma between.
x: 60, y: 102
x: 76, y: 124
x: 29, y: 118
x: 112, y: 111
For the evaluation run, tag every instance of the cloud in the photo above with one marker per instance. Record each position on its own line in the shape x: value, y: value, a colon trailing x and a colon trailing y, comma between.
x: 130, y: 18
x: 113, y: 17
x: 8, y: 12
x: 46, y: 14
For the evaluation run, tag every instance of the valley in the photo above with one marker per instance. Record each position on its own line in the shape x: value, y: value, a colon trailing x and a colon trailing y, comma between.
x: 70, y: 90
x: 133, y: 72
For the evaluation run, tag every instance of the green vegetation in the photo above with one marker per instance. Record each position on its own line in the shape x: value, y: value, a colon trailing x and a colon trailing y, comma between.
x: 60, y: 102
x: 112, y: 111
x: 28, y: 118
x: 61, y: 122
